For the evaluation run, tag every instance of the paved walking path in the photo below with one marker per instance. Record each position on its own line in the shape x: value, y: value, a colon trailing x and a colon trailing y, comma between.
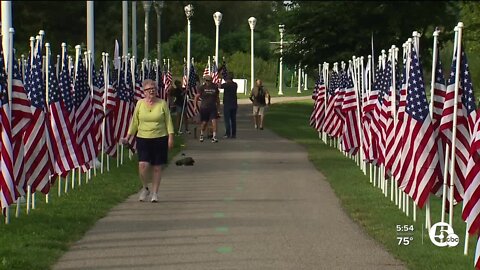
x: 254, y: 202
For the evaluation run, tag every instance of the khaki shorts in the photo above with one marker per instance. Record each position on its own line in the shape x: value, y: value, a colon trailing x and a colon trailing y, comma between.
x: 258, y: 110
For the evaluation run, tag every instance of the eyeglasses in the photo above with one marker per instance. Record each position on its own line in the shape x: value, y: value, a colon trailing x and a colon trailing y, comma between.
x: 151, y: 89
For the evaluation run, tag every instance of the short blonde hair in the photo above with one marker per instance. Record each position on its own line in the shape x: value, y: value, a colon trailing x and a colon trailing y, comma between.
x: 149, y: 82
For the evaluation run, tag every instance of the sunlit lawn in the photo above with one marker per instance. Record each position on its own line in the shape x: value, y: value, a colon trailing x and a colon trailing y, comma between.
x: 365, y: 204
x: 37, y: 240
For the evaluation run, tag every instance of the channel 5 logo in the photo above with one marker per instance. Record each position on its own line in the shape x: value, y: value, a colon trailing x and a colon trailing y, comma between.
x: 442, y: 235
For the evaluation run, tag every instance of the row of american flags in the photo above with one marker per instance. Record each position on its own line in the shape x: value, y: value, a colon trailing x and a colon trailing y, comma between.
x: 392, y: 125
x: 46, y: 135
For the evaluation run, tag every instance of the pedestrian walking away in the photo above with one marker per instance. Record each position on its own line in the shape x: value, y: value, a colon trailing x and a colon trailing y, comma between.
x: 152, y: 124
x: 209, y: 105
x: 258, y: 96
x: 230, y: 106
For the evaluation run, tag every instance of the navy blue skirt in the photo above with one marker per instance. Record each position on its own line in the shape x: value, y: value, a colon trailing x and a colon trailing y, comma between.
x: 153, y: 151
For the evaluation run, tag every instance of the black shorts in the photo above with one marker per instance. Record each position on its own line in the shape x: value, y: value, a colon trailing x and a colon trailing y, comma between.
x: 207, y: 114
x: 153, y: 151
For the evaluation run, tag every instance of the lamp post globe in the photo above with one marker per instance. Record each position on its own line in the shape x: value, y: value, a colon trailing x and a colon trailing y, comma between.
x: 217, y: 18
x: 188, y: 11
x: 146, y: 7
x: 281, y: 30
x: 158, y: 5
x: 252, y: 22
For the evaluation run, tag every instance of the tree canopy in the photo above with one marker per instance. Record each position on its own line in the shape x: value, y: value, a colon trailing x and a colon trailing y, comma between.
x: 333, y: 31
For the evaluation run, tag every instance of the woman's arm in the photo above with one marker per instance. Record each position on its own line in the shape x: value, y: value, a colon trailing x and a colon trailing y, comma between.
x: 169, y: 126
x: 133, y: 124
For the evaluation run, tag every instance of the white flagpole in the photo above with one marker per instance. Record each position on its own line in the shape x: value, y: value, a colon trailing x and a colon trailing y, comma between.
x: 455, y: 109
x: 432, y: 87
x: 209, y: 65
x: 123, y: 62
x: 369, y: 89
x: 77, y: 59
x: 395, y: 121
x: 47, y: 89
x: 9, y: 88
x: 357, y: 90
x: 89, y: 61
x: 105, y: 90
x: 29, y: 187
x: 393, y: 106
x: 405, y: 198
x: 361, y: 93
x: 106, y: 75
x: 326, y: 81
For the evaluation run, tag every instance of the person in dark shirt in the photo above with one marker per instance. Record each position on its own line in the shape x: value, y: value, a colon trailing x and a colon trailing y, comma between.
x: 230, y: 106
x: 258, y: 96
x: 209, y: 106
x: 177, y: 95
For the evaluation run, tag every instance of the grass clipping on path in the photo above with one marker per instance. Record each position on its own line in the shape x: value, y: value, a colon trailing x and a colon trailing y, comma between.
x: 38, y: 240
x: 366, y: 204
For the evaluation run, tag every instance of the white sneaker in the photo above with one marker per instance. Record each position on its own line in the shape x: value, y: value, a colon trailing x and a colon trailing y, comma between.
x: 154, y: 198
x: 143, y: 194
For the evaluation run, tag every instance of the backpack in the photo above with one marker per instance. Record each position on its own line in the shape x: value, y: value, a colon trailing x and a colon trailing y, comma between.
x: 260, y: 95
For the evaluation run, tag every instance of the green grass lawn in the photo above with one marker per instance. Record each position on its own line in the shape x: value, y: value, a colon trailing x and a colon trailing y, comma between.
x: 365, y: 204
x: 38, y: 240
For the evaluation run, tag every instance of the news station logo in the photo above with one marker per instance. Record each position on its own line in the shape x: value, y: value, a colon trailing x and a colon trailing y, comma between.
x: 442, y: 235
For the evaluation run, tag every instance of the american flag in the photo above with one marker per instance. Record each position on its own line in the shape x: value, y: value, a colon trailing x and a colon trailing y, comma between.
x: 332, y: 125
x: 63, y: 141
x: 223, y: 70
x: 466, y: 116
x: 419, y: 151
x: 152, y: 73
x: 123, y: 108
x: 191, y: 92
x: 21, y: 119
x: 8, y: 191
x: 65, y: 85
x: 439, y: 91
x: 162, y: 91
x: 206, y: 71
x: 371, y: 130
x: 138, y: 87
x: 318, y: 115
x: 84, y: 116
x: 110, y: 147
x: 215, y: 76
x: 167, y: 83
x: 184, y: 78
x: 477, y: 255
x: 471, y: 202
x: 472, y: 180
x: 397, y: 147
x: 98, y: 97
x: 111, y: 91
x: 351, y: 132
x: 366, y: 136
x: 98, y: 92
x: 388, y: 136
x: 37, y: 157
x: 339, y: 96
x: 379, y: 119
x: 168, y: 79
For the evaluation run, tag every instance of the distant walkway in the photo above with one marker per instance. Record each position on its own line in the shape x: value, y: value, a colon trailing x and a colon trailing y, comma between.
x: 255, y: 202
x: 276, y: 99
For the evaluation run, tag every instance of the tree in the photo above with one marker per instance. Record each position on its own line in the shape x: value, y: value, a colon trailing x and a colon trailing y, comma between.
x: 335, y: 31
